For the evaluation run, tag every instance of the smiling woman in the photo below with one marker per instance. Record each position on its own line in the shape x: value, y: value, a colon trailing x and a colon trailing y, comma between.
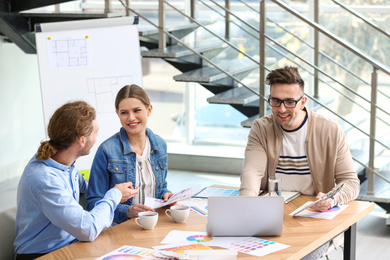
x: 133, y: 154
x: 133, y: 114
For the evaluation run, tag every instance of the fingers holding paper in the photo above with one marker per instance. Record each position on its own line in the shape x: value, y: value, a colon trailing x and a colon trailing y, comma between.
x: 166, y: 197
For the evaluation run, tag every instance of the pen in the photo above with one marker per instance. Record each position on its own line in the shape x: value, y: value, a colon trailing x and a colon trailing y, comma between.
x: 328, y: 195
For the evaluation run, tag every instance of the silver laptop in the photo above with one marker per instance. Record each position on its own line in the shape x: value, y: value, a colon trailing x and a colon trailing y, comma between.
x: 245, y: 216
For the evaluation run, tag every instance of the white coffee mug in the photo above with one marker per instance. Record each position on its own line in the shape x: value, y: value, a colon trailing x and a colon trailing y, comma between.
x: 179, y: 213
x: 147, y: 219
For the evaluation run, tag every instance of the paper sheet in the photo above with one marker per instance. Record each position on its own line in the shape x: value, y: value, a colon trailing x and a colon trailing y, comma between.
x: 129, y: 252
x: 197, y: 205
x: 181, y: 248
x: 248, y: 245
x: 311, y: 213
x: 158, y: 203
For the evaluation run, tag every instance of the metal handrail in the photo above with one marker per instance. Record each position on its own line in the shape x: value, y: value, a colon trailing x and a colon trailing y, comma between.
x: 216, y: 11
x: 334, y: 37
x: 211, y: 32
x: 195, y: 52
x: 350, y: 123
x: 320, y: 52
x: 375, y: 172
x: 312, y: 47
x: 269, y: 38
x: 345, y: 86
x: 373, y: 25
x: 220, y: 38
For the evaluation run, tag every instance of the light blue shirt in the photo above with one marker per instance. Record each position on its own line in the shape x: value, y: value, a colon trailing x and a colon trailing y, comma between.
x: 49, y: 215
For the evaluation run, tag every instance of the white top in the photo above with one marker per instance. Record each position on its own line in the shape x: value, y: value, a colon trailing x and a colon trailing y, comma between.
x: 293, y: 167
x: 145, y: 178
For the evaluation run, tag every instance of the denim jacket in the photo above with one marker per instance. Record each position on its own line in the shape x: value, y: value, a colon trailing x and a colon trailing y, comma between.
x: 115, y: 163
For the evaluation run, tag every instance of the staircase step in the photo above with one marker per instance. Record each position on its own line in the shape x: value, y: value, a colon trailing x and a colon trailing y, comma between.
x: 149, y: 35
x: 20, y: 5
x: 146, y: 29
x: 360, y: 151
x: 237, y: 96
x: 210, y: 74
x: 48, y: 17
x: 381, y: 194
x: 177, y: 51
x: 249, y: 122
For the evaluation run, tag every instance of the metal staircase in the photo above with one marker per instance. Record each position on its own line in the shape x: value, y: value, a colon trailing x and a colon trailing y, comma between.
x: 218, y: 62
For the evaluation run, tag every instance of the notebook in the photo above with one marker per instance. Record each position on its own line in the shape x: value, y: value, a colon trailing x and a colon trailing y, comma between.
x: 290, y: 195
x: 287, y: 195
x: 245, y: 216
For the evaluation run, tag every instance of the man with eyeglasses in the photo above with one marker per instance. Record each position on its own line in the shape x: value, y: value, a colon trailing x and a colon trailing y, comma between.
x: 307, y: 151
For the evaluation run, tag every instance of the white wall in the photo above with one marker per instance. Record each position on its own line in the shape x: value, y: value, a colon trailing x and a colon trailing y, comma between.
x: 21, y: 116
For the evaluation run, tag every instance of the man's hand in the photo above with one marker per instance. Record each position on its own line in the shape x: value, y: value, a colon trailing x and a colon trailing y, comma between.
x: 323, y: 205
x: 127, y: 190
x: 133, y: 211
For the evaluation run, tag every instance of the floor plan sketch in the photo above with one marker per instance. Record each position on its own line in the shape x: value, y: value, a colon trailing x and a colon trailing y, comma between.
x: 104, y: 91
x: 68, y: 52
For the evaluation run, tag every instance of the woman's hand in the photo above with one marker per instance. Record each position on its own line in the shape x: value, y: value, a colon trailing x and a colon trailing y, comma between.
x: 133, y: 211
x: 166, y: 197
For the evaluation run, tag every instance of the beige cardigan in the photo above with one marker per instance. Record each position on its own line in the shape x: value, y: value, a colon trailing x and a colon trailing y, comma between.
x: 328, y: 155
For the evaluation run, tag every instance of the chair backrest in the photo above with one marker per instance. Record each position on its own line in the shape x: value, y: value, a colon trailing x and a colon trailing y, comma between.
x: 7, y: 233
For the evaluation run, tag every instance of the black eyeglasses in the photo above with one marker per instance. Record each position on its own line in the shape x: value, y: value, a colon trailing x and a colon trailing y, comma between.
x: 289, y: 103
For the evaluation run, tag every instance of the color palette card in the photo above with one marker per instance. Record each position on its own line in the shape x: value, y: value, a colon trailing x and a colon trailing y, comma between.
x: 248, y: 245
x: 179, y: 237
x: 182, y: 248
x: 129, y: 253
x: 206, y: 192
x: 256, y: 246
x: 198, y: 205
x: 312, y: 213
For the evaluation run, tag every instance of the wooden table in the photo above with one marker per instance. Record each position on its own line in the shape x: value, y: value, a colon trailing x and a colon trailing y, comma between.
x: 302, y: 233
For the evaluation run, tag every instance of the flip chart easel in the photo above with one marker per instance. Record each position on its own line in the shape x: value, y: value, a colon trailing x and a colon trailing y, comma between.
x: 88, y: 60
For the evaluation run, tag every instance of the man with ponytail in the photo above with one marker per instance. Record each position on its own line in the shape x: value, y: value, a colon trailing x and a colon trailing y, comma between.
x: 49, y: 215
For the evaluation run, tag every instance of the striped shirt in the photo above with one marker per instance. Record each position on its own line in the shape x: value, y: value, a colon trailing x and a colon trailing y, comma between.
x: 145, y: 178
x: 293, y: 167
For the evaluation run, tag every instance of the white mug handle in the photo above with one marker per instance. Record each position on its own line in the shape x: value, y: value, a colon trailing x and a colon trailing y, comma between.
x: 166, y: 213
x: 136, y: 221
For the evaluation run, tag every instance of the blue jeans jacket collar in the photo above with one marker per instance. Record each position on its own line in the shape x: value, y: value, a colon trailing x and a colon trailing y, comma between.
x: 126, y: 145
